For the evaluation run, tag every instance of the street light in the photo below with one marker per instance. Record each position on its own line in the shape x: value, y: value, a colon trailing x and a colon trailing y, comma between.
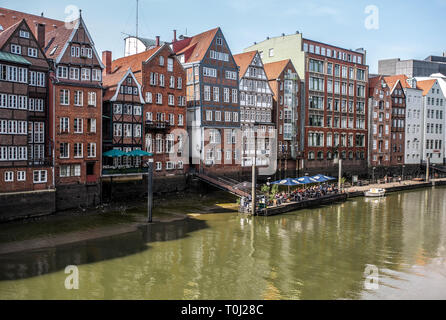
x: 150, y: 190
x: 402, y: 173
x: 373, y: 174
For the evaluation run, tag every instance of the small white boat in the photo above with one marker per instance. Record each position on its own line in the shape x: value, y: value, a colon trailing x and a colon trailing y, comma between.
x: 375, y: 192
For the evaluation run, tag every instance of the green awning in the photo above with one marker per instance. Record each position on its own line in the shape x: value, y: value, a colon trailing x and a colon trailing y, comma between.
x: 14, y: 58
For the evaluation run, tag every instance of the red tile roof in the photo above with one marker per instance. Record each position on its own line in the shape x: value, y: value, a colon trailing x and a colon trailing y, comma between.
x: 243, y: 60
x: 195, y: 48
x: 7, y: 33
x: 426, y: 85
x: 392, y: 80
x: 55, y: 41
x: 11, y: 17
x: 274, y: 69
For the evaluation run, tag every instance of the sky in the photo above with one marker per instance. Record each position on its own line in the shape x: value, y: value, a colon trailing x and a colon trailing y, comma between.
x: 386, y: 29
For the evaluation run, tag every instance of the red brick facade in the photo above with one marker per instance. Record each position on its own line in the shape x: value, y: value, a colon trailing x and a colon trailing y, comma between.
x: 336, y: 106
x: 25, y: 156
x: 380, y: 118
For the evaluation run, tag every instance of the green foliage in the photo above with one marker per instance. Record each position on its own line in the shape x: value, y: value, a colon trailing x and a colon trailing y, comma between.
x: 265, y: 189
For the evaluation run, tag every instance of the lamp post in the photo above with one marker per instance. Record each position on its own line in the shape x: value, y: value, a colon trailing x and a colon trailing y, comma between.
x: 402, y: 172
x: 253, y: 182
x: 373, y: 174
x: 150, y: 190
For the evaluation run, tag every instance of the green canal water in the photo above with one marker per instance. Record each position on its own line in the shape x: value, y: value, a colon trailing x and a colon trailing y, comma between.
x: 320, y: 253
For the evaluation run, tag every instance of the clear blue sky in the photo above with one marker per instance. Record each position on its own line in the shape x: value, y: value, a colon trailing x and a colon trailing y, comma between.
x: 407, y: 29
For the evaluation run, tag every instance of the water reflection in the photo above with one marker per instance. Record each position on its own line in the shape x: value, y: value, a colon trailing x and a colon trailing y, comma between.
x: 310, y: 254
x: 39, y: 262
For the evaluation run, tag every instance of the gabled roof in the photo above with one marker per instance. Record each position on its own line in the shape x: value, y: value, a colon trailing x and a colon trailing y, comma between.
x: 243, y: 60
x: 392, y: 81
x: 426, y: 85
x: 56, y: 40
x: 195, y: 48
x: 134, y: 61
x: 7, y: 33
x: 274, y: 69
x: 113, y: 81
x: 57, y: 33
x: 11, y: 17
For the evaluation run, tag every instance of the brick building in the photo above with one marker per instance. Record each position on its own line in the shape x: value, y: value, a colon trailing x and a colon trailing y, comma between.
x: 75, y: 105
x: 334, y: 122
x: 380, y: 122
x: 160, y: 78
x: 122, y: 124
x: 25, y: 153
x: 286, y: 87
x: 213, y: 109
x: 398, y: 127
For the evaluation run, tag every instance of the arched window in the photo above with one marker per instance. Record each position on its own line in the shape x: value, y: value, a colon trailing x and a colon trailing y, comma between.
x: 311, y: 155
x: 320, y: 155
x: 329, y: 155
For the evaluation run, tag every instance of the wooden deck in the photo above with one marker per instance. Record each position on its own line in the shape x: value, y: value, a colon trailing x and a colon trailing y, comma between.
x: 293, y: 206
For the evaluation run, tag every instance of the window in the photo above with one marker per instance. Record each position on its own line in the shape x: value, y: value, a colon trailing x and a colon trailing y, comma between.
x: 159, y: 98
x: 180, y: 120
x: 231, y: 75
x: 216, y: 94
x: 16, y: 49
x: 227, y: 116
x: 96, y: 75
x: 91, y: 150
x: 74, y: 73
x: 161, y: 61
x: 40, y: 176
x: 159, y: 166
x: 179, y: 83
x: 171, y: 100
x: 148, y: 97
x: 117, y: 130
x: 207, y: 93
x: 209, y: 72
x: 62, y: 72
x: 32, y: 52
x: 23, y: 34
x: 271, y: 52
x: 226, y: 95
x: 85, y: 74
x: 234, y: 95
x: 75, y: 51
x: 64, y: 150
x: 161, y: 80
x: 78, y: 125
x: 170, y: 65
x: 91, y: 125
x: 64, y: 97
x: 78, y: 150
x: 21, y: 175
x: 208, y: 115
x: 78, y: 98
x: 9, y: 176
x: 92, y: 99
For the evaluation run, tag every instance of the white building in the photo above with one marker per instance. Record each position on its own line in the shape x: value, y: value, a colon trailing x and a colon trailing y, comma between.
x: 434, y: 103
x: 414, y: 122
x: 256, y: 107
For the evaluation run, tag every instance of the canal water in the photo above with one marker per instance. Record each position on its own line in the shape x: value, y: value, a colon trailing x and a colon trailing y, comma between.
x: 322, y: 253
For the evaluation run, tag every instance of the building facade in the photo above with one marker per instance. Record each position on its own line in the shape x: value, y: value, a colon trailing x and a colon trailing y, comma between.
x: 413, y: 68
x: 398, y: 129
x: 286, y: 86
x: 434, y: 112
x: 256, y: 109
x: 25, y: 145
x: 155, y: 81
x: 334, y: 121
x: 213, y: 108
x: 122, y: 125
x: 380, y: 121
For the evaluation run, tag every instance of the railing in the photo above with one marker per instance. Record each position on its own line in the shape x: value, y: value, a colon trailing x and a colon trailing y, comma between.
x: 157, y: 125
x: 108, y: 171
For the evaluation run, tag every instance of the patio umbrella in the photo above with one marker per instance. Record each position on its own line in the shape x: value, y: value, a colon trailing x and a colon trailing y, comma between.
x: 322, y: 178
x: 306, y: 180
x: 114, y: 153
x: 287, y: 182
x: 139, y: 153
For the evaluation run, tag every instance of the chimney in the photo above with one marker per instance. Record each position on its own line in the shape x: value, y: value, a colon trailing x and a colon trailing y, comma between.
x: 107, y: 61
x: 174, y: 36
x: 40, y: 32
x: 157, y: 41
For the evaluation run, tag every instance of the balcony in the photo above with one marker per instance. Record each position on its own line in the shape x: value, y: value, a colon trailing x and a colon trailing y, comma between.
x: 151, y: 126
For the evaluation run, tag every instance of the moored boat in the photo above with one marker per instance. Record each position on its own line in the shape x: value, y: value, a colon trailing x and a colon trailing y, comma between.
x: 375, y: 192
